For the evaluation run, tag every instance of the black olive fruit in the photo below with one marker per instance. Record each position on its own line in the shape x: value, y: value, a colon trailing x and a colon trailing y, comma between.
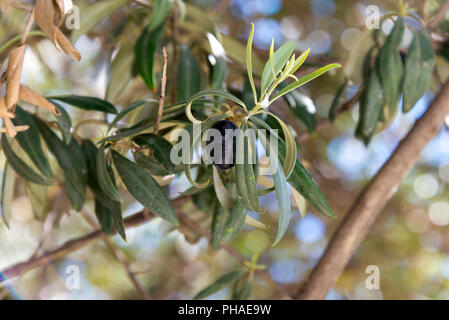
x: 227, y: 145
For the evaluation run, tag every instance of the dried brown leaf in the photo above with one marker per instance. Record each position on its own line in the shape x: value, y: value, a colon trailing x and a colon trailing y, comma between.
x: 49, y: 15
x: 28, y: 95
x: 67, y: 46
x: 13, y: 74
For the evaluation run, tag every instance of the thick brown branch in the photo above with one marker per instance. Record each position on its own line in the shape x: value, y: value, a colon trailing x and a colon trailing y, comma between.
x: 373, y: 199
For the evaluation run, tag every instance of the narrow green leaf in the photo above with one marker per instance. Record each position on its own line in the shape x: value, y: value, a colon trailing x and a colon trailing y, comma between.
x: 104, y: 180
x: 219, y: 284
x: 418, y: 69
x: 280, y: 58
x: 390, y: 66
x: 301, y: 202
x: 223, y: 195
x: 291, y: 151
x: 188, y: 74
x: 150, y: 164
x: 30, y: 142
x: 249, y: 62
x: 242, y: 291
x: 302, y: 81
x: 126, y: 133
x: 281, y: 190
x: 40, y: 203
x: 144, y: 188
x: 220, y: 217
x: 161, y: 148
x: 64, y: 122
x: 145, y: 49
x: 121, y: 70
x: 8, y: 188
x: 235, y: 222
x: 159, y: 13
x: 20, y: 167
x: 87, y: 103
x: 246, y: 180
x: 108, y: 211
x: 132, y: 107
x: 71, y: 159
x: 300, y: 179
x: 333, y: 110
x: 371, y: 102
x: 219, y: 73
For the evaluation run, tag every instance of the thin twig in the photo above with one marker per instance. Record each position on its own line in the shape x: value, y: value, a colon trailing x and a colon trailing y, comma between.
x: 162, y: 96
x: 118, y: 254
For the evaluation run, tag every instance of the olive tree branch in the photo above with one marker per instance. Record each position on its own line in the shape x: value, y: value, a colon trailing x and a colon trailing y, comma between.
x: 373, y: 198
x: 76, y: 244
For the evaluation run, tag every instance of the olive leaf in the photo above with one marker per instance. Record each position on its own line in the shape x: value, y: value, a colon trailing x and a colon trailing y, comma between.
x: 30, y: 142
x: 144, y: 51
x: 333, y: 110
x: 234, y: 223
x: 159, y: 13
x: 219, y: 219
x: 87, y: 103
x: 20, y: 167
x: 71, y: 159
x: 104, y: 180
x: 8, y: 188
x: 279, y: 58
x: 302, y: 81
x: 418, y: 69
x: 300, y: 179
x: 281, y: 190
x: 188, y: 74
x: 107, y: 210
x: 132, y: 107
x: 390, y: 66
x: 144, y: 188
x: 40, y: 203
x: 246, y: 180
x: 223, y: 195
x: 161, y: 148
x: 219, y: 284
x: 371, y: 102
x: 64, y: 122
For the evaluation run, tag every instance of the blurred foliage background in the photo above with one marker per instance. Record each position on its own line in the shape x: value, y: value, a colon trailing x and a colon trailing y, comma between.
x: 409, y: 243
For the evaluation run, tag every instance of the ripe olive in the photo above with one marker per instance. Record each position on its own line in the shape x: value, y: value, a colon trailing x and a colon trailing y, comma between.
x: 227, y: 145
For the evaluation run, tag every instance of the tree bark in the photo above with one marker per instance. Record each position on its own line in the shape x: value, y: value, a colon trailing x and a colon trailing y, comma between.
x: 373, y: 199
